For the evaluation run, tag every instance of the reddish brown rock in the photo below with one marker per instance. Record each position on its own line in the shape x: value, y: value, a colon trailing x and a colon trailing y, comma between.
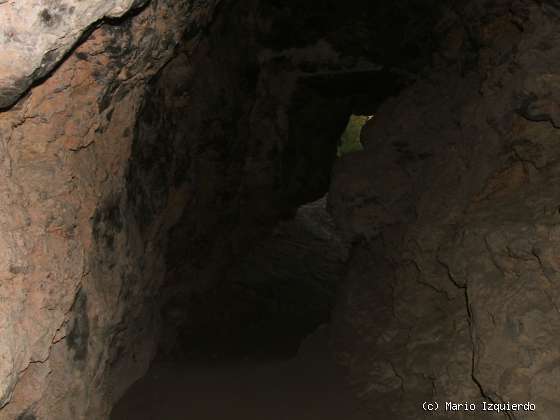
x: 451, y: 294
x: 36, y: 35
x: 64, y: 153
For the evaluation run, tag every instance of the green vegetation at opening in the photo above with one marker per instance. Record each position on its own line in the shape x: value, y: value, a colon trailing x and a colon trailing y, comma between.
x: 350, y: 140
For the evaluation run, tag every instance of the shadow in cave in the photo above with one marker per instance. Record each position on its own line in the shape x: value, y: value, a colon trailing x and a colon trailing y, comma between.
x: 245, y: 129
x: 256, y: 345
x: 247, y: 335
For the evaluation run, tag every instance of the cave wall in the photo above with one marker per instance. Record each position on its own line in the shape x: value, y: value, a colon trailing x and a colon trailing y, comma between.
x: 36, y: 35
x: 454, y: 210
x: 72, y: 282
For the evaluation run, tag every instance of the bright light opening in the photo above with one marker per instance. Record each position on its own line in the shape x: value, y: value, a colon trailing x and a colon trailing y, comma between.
x: 350, y: 140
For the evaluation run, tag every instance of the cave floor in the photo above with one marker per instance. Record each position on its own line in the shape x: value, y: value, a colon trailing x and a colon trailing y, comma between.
x: 310, y: 386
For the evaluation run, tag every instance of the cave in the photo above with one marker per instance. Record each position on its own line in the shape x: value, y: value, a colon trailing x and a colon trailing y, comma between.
x: 350, y: 205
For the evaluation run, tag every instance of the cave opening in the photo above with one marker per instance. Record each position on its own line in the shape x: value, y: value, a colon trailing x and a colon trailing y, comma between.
x: 279, y: 209
x: 350, y: 140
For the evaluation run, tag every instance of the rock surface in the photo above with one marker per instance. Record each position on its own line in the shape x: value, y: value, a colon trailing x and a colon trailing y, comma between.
x: 452, y: 291
x: 37, y: 34
x: 71, y: 288
x: 309, y: 386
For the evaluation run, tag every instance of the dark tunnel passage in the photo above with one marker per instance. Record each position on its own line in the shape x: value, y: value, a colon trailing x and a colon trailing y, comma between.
x: 264, y: 209
x: 245, y: 131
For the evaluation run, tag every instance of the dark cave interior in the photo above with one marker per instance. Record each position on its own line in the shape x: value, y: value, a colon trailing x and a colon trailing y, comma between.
x: 251, y: 209
x: 264, y: 260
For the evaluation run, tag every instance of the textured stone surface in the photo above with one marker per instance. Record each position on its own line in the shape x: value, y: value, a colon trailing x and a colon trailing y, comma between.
x: 452, y: 292
x: 69, y: 305
x: 36, y: 34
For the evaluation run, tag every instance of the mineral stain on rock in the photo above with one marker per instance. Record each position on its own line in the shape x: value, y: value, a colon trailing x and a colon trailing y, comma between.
x: 48, y: 18
x: 107, y: 222
x: 26, y: 416
x: 78, y: 337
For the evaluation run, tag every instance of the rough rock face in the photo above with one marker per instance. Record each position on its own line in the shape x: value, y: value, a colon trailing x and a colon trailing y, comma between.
x: 452, y: 290
x: 37, y: 34
x: 71, y: 282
